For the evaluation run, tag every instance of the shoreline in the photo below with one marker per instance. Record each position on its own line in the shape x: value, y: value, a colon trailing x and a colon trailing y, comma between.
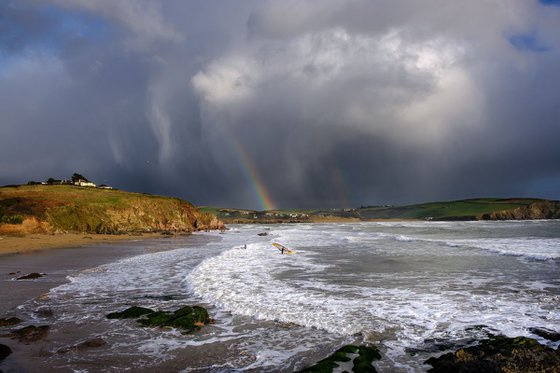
x: 29, y: 243
x: 62, y: 257
x: 56, y: 266
x: 36, y: 242
x: 10, y: 245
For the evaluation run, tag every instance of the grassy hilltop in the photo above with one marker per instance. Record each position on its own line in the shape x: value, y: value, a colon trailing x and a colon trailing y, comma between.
x: 66, y: 208
x: 469, y: 209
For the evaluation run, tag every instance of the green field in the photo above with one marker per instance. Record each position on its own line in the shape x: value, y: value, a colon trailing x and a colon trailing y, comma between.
x: 468, y: 209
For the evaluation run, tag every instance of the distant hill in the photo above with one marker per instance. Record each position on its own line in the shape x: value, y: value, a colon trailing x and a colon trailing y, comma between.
x: 469, y: 209
x: 67, y: 208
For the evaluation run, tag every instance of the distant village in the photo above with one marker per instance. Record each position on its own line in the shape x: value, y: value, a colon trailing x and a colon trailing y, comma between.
x: 77, y: 179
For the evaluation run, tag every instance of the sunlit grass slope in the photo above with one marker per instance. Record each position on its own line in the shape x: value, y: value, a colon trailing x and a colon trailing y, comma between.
x: 62, y: 208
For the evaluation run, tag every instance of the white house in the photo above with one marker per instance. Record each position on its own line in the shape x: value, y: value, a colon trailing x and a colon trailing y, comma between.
x: 84, y: 183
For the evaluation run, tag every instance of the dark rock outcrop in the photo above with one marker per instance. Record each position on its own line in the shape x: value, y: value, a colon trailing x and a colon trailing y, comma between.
x: 130, y: 313
x: 9, y: 321
x: 44, y: 312
x: 546, y: 334
x: 186, y: 318
x: 499, y: 354
x: 5, y: 351
x: 30, y: 333
x: 90, y: 343
x: 535, y: 210
x: 360, y: 364
x: 30, y: 276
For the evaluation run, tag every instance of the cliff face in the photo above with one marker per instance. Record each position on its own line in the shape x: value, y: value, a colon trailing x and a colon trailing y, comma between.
x: 535, y: 210
x: 59, y: 209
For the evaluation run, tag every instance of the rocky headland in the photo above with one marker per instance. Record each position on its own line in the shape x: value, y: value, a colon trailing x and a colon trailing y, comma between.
x: 536, y: 210
x: 58, y: 209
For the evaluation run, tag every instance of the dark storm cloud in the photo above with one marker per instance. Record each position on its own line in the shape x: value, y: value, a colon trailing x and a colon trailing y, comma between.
x: 325, y: 103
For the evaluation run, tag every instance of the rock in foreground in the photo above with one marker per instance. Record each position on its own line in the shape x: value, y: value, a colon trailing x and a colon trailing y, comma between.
x: 9, y: 321
x: 30, y: 333
x: 4, y: 351
x: 499, y: 354
x: 546, y: 334
x: 361, y: 362
x: 30, y: 276
x: 186, y: 318
x: 130, y: 313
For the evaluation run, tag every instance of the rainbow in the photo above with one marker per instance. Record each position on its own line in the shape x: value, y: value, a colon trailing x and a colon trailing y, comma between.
x: 252, y: 176
x: 339, y: 184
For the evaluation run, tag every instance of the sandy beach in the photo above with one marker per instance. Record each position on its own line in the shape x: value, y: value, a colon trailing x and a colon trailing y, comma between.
x: 55, y: 258
x: 58, y: 256
x: 36, y: 242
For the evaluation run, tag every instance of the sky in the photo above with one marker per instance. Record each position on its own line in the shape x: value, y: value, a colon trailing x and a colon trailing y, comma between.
x: 284, y: 103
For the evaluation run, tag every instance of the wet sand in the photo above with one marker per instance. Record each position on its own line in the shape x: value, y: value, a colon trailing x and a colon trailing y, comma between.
x: 56, y: 265
x: 35, y: 242
x: 22, y: 256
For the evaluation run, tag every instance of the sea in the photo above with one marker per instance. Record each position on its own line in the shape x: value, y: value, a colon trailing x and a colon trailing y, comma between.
x: 413, y: 289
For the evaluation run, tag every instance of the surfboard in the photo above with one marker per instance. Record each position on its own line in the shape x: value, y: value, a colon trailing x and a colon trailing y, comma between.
x: 280, y: 247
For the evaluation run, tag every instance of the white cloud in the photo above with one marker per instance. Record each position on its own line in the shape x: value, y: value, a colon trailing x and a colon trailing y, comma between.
x: 228, y: 80
x: 383, y: 84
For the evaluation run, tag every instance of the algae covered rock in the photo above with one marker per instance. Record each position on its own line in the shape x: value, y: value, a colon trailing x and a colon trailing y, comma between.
x: 186, y: 318
x: 361, y: 357
x: 499, y: 354
x: 88, y: 344
x: 31, y: 333
x: 130, y: 313
x: 9, y: 321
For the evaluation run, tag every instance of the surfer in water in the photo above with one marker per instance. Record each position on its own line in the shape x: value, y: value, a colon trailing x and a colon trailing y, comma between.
x: 283, y: 249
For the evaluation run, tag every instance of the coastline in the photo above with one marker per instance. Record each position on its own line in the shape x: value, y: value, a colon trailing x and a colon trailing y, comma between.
x: 158, y: 282
x: 38, y: 242
x: 60, y: 256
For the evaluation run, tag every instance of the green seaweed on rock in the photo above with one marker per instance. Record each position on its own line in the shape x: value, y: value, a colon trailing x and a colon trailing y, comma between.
x: 130, y: 313
x: 186, y: 318
x: 499, y: 354
x: 362, y: 363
